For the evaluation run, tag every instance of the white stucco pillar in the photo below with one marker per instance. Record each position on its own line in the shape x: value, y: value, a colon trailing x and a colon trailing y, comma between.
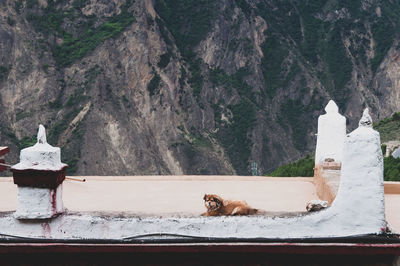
x: 39, y: 176
x: 331, y: 134
x: 39, y: 203
x: 361, y: 194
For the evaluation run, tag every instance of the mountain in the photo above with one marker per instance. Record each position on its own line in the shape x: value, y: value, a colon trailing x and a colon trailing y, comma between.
x: 190, y: 86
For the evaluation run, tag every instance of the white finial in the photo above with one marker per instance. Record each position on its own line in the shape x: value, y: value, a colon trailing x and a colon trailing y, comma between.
x: 366, y: 120
x: 41, y: 136
x: 331, y: 107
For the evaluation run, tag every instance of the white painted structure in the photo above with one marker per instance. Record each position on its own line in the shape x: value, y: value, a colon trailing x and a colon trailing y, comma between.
x: 41, y: 156
x: 331, y: 134
x: 37, y: 202
x: 361, y: 193
x: 357, y: 210
x: 396, y: 153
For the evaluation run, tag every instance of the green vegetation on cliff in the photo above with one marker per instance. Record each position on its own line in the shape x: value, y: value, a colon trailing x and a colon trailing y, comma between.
x: 302, y: 167
x: 235, y: 81
x: 389, y: 128
x: 83, y: 36
x: 290, y: 114
x: 384, y: 29
x: 73, y: 48
x: 275, y: 53
x: 4, y: 72
x: 391, y: 169
x: 154, y: 84
x: 320, y: 43
x: 235, y: 135
x: 188, y: 21
x: 305, y: 167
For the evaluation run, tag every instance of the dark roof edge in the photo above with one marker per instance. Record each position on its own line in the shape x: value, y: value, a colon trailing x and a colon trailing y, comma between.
x: 209, y: 247
x: 166, y: 238
x: 361, y: 244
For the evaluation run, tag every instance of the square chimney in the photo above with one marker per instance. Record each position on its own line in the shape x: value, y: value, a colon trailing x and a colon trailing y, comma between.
x: 39, y: 176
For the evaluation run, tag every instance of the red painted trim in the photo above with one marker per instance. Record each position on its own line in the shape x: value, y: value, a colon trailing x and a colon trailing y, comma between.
x: 4, y: 150
x: 269, y: 248
x: 38, y: 178
x: 2, y: 168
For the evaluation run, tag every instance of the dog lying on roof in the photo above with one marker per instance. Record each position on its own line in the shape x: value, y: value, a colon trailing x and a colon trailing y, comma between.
x: 216, y: 206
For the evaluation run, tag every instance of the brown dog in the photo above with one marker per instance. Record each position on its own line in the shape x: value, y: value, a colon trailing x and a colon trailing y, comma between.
x: 216, y: 206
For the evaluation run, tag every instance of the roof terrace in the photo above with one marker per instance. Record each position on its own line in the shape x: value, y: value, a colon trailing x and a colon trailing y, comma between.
x: 183, y: 195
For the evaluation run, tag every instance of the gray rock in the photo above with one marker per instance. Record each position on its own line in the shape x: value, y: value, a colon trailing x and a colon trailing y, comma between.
x: 316, y: 205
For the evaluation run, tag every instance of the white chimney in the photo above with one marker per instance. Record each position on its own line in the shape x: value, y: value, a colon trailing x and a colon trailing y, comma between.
x: 331, y: 135
x: 39, y: 176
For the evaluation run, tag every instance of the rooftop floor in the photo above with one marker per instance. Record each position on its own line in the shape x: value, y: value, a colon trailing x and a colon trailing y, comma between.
x: 183, y: 195
x: 168, y: 195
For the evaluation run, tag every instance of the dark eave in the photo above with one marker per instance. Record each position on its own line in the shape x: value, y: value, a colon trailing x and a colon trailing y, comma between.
x: 4, y: 150
x: 271, y: 248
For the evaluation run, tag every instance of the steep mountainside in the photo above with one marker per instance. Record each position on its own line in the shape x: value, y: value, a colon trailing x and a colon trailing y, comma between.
x: 190, y: 86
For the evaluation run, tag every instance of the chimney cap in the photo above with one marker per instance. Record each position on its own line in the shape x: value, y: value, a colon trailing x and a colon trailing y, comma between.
x: 41, y: 156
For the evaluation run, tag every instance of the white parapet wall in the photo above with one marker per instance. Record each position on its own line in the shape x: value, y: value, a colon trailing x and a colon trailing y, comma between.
x: 357, y: 210
x: 331, y: 134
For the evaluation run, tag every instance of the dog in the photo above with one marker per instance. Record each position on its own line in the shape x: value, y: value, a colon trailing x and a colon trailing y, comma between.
x: 216, y: 206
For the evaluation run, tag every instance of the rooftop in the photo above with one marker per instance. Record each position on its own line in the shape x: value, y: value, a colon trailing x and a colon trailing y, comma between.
x: 172, y: 195
x: 183, y: 195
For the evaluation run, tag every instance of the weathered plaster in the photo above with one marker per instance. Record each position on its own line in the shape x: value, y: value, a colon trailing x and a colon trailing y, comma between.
x: 38, y: 203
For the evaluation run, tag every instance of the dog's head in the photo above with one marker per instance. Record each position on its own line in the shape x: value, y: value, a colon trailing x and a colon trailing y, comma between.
x: 213, y: 202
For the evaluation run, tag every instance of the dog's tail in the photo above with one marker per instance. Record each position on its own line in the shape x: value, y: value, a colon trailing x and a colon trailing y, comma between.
x: 253, y: 211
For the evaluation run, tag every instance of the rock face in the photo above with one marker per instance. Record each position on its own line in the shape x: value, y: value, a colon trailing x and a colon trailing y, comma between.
x: 189, y: 87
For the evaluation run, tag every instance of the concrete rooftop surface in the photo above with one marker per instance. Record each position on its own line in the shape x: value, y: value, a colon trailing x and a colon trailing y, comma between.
x: 183, y: 195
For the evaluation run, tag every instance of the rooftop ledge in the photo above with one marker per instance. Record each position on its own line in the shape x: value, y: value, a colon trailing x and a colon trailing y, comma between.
x: 174, y: 195
x: 142, y: 200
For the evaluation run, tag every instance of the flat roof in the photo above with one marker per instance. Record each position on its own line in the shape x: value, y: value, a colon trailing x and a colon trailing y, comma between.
x: 169, y: 195
x: 183, y: 195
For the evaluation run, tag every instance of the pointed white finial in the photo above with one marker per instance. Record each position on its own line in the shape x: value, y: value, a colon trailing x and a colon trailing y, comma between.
x: 331, y: 107
x: 366, y: 120
x: 41, y: 136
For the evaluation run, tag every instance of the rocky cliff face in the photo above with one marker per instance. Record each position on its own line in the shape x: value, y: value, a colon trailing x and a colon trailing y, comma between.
x: 190, y: 87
